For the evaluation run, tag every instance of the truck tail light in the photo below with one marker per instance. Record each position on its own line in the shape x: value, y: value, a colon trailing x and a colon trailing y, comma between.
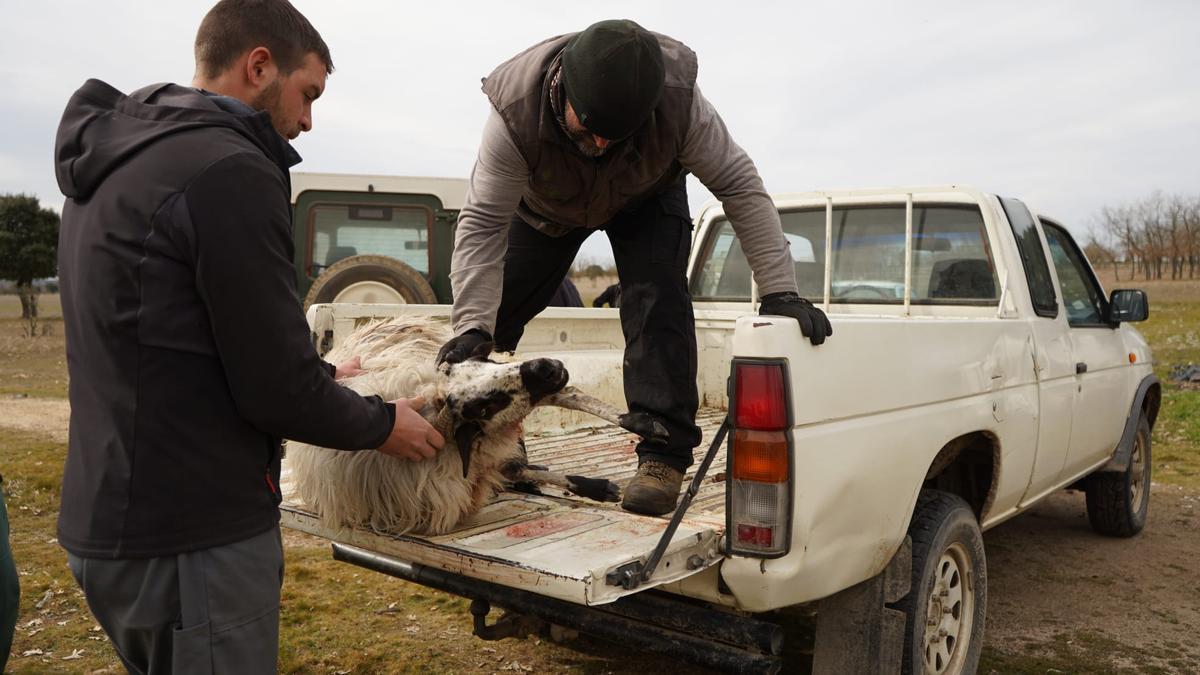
x: 759, y: 488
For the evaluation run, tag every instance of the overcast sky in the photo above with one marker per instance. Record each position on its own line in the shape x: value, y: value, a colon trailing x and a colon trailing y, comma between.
x: 1068, y: 105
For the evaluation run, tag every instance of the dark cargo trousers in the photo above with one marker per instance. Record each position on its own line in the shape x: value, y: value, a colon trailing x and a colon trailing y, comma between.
x: 209, y: 611
x: 650, y: 246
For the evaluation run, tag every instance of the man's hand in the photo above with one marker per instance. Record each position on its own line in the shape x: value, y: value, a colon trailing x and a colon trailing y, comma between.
x: 350, y: 368
x: 412, y: 437
x: 814, y: 325
x: 474, y: 342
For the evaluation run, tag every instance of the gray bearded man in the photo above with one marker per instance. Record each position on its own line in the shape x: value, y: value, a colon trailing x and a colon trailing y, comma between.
x: 596, y: 131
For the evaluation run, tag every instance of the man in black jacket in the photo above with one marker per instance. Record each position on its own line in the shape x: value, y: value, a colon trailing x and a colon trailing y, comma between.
x: 187, y: 348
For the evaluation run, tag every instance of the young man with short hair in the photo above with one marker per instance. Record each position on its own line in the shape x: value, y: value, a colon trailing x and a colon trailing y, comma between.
x: 187, y: 347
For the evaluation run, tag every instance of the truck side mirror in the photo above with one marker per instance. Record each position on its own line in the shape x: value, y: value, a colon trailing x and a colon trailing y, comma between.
x: 1128, y: 305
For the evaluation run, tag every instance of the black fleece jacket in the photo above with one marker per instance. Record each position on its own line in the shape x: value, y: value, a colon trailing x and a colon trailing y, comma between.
x: 187, y: 348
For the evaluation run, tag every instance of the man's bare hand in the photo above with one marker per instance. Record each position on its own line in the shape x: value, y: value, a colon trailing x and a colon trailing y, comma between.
x: 349, y: 368
x: 412, y: 438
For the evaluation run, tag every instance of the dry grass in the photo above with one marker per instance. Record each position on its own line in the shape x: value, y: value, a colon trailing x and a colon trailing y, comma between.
x: 1174, y: 334
x: 33, y: 367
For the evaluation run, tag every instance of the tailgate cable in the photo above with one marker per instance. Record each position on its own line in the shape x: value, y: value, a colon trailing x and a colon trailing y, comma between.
x: 631, y: 575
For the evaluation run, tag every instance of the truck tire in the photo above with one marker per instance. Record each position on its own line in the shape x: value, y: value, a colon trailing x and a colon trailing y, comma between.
x: 949, y: 588
x: 370, y: 279
x: 1118, y: 502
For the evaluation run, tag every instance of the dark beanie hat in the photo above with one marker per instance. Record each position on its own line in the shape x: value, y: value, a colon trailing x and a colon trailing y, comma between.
x: 613, y: 74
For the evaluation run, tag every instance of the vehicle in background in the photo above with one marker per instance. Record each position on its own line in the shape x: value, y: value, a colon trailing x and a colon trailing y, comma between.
x: 374, y: 239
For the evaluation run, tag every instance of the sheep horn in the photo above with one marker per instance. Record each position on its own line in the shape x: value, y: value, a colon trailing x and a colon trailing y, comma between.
x: 639, y: 423
x: 444, y: 421
x: 464, y: 435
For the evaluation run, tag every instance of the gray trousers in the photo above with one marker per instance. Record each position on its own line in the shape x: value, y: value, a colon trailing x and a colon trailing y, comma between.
x: 209, y: 611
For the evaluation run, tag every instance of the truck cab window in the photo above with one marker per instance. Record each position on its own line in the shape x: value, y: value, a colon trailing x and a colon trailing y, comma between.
x: 342, y: 230
x: 1082, y: 295
x: 1033, y: 257
x: 952, y: 263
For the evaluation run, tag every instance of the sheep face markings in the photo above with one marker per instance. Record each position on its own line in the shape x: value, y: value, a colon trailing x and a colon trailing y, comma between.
x: 485, y: 398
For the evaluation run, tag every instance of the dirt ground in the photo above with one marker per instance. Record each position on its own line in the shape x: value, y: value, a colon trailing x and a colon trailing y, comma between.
x: 1059, y: 593
x: 43, y: 416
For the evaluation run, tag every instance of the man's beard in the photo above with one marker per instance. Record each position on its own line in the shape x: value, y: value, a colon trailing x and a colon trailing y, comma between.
x: 585, y: 144
x: 268, y: 100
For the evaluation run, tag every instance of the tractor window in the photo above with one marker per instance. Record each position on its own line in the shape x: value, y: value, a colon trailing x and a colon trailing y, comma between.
x: 342, y: 230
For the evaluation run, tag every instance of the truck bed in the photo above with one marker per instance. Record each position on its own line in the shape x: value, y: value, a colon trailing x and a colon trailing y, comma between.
x: 557, y: 544
x: 608, y: 452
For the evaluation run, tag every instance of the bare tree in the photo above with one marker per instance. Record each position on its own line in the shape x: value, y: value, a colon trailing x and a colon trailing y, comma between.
x: 1155, y: 235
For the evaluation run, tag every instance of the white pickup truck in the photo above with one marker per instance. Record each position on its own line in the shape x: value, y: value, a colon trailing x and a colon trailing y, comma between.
x: 976, y: 366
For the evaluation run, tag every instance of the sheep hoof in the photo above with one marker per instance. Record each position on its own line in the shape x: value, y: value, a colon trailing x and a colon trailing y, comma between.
x: 598, y: 489
x: 650, y: 429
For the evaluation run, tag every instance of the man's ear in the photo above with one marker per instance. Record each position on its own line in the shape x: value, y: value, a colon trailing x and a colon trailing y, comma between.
x: 261, y: 69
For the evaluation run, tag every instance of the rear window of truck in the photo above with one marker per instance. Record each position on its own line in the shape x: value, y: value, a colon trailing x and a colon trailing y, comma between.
x: 951, y: 262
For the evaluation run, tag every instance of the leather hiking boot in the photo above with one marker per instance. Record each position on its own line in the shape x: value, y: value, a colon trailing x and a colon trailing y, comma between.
x: 654, y: 490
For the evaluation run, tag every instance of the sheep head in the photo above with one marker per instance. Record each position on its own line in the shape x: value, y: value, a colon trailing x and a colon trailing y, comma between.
x: 483, y: 397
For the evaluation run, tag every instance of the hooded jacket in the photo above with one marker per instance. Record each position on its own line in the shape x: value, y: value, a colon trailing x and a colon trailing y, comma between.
x: 187, y: 348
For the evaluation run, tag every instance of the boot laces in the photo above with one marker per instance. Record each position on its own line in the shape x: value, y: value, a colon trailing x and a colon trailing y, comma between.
x: 658, y: 471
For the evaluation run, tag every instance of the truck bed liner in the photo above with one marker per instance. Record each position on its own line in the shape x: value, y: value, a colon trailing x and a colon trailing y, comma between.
x: 557, y: 544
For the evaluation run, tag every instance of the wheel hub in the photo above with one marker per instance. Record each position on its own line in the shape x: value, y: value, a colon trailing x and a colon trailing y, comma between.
x: 1137, y: 470
x: 950, y: 612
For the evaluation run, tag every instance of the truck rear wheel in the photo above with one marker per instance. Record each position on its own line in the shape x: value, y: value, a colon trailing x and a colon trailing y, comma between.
x: 947, y: 603
x: 1118, y: 502
x: 375, y: 279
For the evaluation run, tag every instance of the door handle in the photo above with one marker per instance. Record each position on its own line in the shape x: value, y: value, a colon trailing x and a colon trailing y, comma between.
x: 1080, y: 368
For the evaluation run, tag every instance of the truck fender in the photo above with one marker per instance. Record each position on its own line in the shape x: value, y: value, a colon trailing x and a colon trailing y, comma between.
x: 1120, y: 458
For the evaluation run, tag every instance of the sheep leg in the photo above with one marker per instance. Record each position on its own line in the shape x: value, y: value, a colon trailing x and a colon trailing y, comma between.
x: 596, y: 489
x: 640, y: 423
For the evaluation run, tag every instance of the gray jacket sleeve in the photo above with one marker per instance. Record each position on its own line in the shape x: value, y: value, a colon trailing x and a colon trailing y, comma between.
x: 727, y: 171
x: 477, y: 265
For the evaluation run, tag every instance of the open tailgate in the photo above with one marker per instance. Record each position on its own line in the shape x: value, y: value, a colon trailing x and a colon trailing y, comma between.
x: 554, y: 544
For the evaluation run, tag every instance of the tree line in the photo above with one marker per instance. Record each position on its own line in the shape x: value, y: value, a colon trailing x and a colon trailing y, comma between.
x: 1155, y: 237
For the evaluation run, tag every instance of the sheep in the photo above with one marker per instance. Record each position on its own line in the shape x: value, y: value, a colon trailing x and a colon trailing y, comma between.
x: 477, y: 405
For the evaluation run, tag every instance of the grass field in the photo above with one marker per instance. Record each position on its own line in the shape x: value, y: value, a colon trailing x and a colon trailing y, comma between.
x: 340, y: 619
x: 1174, y: 334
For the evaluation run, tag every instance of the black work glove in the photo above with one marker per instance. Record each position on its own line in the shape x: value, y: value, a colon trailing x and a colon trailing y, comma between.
x: 611, y: 295
x: 814, y: 325
x: 474, y: 342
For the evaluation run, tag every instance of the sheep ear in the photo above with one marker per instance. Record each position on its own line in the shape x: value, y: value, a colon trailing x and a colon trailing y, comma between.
x: 464, y: 438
